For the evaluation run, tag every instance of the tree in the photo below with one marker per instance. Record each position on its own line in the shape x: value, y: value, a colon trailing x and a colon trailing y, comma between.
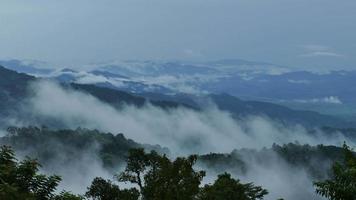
x: 227, y: 188
x: 20, y: 180
x: 173, y: 180
x: 137, y: 162
x: 67, y: 196
x: 160, y: 178
x: 342, y: 185
x: 101, y: 189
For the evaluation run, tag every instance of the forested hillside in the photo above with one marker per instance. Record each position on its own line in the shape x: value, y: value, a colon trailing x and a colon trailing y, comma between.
x: 150, y: 168
x: 49, y: 145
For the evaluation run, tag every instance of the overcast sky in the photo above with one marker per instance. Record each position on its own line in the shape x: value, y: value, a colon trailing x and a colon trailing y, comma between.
x: 315, y: 33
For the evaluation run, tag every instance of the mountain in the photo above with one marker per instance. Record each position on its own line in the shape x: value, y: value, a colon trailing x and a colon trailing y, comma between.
x: 277, y: 112
x: 28, y: 67
x: 106, y: 79
x: 242, y: 108
x: 241, y: 78
x: 12, y: 82
x: 293, y: 86
x: 63, y: 146
x: 108, y: 74
x: 118, y: 98
x: 134, y: 68
x: 245, y: 79
x: 14, y: 88
x: 165, y: 76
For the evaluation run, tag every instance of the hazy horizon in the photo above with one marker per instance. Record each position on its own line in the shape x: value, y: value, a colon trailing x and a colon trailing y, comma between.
x: 315, y: 34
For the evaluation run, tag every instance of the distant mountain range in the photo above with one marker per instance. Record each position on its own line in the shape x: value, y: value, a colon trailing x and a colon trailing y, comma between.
x: 28, y: 67
x: 14, y: 86
x: 244, y: 79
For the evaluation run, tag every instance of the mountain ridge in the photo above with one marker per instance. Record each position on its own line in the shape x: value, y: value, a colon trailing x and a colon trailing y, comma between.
x: 237, y: 107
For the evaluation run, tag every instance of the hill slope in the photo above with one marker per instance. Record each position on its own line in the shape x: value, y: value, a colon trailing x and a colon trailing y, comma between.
x: 14, y: 87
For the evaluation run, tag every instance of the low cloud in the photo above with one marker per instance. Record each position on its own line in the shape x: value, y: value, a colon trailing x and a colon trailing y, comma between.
x: 196, y: 131
x: 182, y: 83
x: 274, y: 174
x: 77, y: 169
x: 183, y: 131
x: 327, y: 100
x: 299, y: 81
x: 319, y: 51
x: 322, y: 53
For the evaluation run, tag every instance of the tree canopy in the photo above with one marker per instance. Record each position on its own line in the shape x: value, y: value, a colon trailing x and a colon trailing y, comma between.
x: 154, y: 175
x: 227, y: 188
x: 21, y: 180
x: 159, y: 178
x: 342, y: 185
x: 101, y: 189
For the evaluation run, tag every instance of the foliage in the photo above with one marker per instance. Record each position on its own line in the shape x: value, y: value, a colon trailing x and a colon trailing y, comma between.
x: 155, y: 175
x: 44, y: 143
x: 20, y: 180
x: 306, y: 157
x: 172, y: 180
x: 64, y: 195
x: 137, y: 162
x: 220, y: 162
x: 309, y: 157
x: 227, y: 188
x: 159, y: 178
x: 342, y: 186
x: 101, y: 189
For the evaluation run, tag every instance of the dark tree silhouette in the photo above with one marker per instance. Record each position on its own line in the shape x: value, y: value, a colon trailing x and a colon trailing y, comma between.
x: 342, y: 185
x: 101, y: 189
x: 20, y: 180
x: 159, y: 178
x: 227, y: 188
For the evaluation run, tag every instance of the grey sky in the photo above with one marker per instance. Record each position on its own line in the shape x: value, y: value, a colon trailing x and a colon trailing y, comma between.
x: 308, y: 33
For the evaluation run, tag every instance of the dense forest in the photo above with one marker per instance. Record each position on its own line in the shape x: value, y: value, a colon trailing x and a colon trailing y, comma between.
x: 153, y: 173
x: 44, y: 144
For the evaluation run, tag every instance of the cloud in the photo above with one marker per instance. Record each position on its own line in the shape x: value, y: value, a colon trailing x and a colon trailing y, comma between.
x: 183, y: 131
x: 281, y: 179
x: 322, y: 53
x: 314, y: 47
x: 319, y: 51
x: 180, y: 83
x: 77, y: 167
x: 328, y: 100
x: 299, y: 81
x: 193, y: 54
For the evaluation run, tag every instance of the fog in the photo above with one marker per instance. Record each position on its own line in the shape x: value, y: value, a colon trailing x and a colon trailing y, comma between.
x: 314, y: 34
x: 210, y: 130
x: 281, y: 179
x: 77, y: 169
x: 182, y: 130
